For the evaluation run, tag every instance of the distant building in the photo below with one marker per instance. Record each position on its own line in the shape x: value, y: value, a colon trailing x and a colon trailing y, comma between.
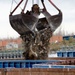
x: 17, y: 43
x: 56, y: 39
x: 12, y: 45
x: 9, y: 43
x: 3, y: 44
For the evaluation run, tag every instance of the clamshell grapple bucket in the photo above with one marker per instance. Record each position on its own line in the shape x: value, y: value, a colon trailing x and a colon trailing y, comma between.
x: 35, y: 31
x: 23, y: 23
x: 42, y: 24
x: 27, y: 22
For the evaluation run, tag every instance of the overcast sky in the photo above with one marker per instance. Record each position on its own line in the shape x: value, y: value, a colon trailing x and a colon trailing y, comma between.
x: 67, y: 7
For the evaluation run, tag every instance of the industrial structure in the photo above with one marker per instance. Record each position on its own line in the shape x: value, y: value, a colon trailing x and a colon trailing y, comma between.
x: 34, y: 31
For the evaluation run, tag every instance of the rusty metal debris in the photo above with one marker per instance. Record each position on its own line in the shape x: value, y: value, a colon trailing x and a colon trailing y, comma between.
x: 35, y: 31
